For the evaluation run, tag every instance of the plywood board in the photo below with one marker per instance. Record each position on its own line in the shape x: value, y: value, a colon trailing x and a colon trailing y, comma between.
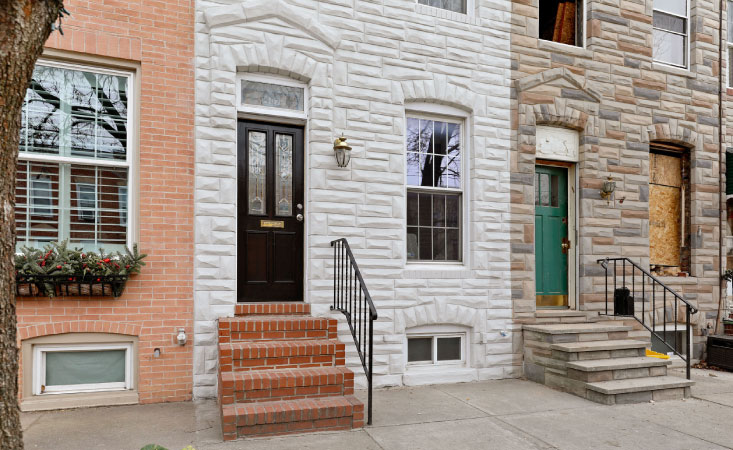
x: 664, y: 225
x: 665, y: 170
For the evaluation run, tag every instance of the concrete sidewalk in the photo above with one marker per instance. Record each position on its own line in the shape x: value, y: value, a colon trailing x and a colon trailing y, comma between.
x: 506, y: 414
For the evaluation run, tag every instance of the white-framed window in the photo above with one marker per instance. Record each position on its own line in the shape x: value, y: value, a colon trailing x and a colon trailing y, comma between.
x: 458, y: 6
x: 435, y: 160
x: 272, y: 95
x: 562, y: 21
x: 425, y: 349
x: 75, y: 148
x: 76, y: 368
x: 729, y: 39
x: 670, y: 34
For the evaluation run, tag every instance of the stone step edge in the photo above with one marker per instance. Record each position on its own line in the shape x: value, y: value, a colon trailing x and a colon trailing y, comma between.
x: 601, y: 365
x: 274, y: 308
x: 306, y: 344
x: 644, y: 384
x: 277, y: 411
x: 286, y: 374
x: 551, y: 313
x: 572, y: 328
x: 595, y: 346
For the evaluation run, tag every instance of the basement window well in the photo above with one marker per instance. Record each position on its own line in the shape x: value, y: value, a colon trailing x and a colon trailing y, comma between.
x: 562, y: 21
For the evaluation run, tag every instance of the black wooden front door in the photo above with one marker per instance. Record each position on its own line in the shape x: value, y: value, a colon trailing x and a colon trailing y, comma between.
x: 270, y: 212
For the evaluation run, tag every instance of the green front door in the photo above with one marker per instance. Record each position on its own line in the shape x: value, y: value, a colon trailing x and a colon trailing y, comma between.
x: 551, y: 235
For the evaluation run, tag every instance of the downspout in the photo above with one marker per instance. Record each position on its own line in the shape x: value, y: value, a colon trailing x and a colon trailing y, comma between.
x: 722, y: 164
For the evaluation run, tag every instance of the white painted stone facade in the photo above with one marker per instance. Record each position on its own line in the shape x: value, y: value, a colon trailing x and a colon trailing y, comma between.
x: 365, y: 63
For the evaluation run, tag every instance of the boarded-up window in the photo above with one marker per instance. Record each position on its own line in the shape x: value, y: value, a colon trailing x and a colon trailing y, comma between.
x: 668, y: 211
x: 561, y: 21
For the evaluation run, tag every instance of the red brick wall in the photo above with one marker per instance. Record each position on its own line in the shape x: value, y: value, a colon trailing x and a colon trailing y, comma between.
x: 159, y: 36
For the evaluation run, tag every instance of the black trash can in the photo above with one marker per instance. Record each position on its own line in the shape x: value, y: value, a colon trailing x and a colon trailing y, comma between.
x: 623, y: 302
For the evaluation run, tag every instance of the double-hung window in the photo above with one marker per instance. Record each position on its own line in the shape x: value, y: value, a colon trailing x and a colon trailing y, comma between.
x: 670, y: 33
x: 459, y: 6
x: 74, y: 163
x: 434, y: 189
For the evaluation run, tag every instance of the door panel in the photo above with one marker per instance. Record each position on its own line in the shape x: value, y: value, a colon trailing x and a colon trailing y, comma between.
x: 551, y: 236
x: 270, y: 212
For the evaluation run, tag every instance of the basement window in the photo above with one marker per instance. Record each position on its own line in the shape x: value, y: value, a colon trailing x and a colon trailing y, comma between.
x: 458, y: 6
x: 562, y: 21
x: 436, y: 349
x: 64, y: 369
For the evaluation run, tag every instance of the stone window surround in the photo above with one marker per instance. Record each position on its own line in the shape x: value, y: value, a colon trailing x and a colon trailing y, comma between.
x: 452, y: 114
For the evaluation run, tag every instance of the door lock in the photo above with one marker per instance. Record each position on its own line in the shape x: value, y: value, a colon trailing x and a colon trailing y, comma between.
x: 299, y: 217
x: 565, y: 245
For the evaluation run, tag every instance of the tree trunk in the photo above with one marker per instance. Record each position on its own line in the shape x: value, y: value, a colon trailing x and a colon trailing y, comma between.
x: 24, y: 28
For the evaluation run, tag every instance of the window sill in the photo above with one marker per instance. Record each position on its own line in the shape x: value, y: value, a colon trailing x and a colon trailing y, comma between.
x: 573, y: 50
x: 672, y: 70
x: 87, y: 400
x: 444, y: 14
x: 678, y: 280
x: 419, y: 376
x: 421, y: 270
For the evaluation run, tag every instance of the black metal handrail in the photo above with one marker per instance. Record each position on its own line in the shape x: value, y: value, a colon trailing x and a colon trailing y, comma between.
x: 656, y: 289
x: 351, y: 297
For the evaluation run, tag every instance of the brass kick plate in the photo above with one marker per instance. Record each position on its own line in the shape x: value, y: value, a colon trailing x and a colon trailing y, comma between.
x: 272, y: 224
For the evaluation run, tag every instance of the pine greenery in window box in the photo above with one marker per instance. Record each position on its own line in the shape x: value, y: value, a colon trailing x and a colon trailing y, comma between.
x: 58, y: 270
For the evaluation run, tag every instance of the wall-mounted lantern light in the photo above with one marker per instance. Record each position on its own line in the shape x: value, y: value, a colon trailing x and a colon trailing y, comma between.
x: 608, y: 188
x: 342, y: 150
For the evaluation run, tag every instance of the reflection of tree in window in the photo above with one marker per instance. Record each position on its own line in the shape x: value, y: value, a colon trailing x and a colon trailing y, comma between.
x: 433, y: 156
x: 76, y: 113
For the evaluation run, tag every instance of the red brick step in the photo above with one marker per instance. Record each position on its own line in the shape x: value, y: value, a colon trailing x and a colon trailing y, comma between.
x: 251, y: 328
x: 271, y: 309
x: 284, y: 384
x: 291, y: 416
x: 258, y: 355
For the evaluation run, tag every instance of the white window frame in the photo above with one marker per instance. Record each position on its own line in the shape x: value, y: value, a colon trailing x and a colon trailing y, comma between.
x: 266, y: 110
x: 435, y: 336
x: 39, y: 369
x: 442, y: 113
x: 686, y: 50
x: 43, y: 211
x: 470, y: 5
x: 582, y: 44
x: 64, y: 211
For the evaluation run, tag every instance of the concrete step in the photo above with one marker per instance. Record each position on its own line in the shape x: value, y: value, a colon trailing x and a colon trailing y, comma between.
x: 596, y: 370
x: 291, y: 416
x: 262, y: 327
x: 575, y: 328
x: 638, y: 390
x: 598, y: 365
x: 549, y: 313
x: 270, y: 309
x: 285, y: 384
x: 594, y: 346
x: 600, y: 349
x: 259, y: 355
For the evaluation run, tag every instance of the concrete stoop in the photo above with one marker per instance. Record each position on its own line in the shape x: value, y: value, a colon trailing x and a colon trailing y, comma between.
x: 602, y: 361
x: 282, y: 371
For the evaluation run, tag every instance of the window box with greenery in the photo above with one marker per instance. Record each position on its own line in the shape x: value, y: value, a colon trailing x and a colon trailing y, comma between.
x: 58, y: 270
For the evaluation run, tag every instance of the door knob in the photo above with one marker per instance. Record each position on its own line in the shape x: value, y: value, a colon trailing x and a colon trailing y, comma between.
x: 565, y: 245
x: 299, y: 217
